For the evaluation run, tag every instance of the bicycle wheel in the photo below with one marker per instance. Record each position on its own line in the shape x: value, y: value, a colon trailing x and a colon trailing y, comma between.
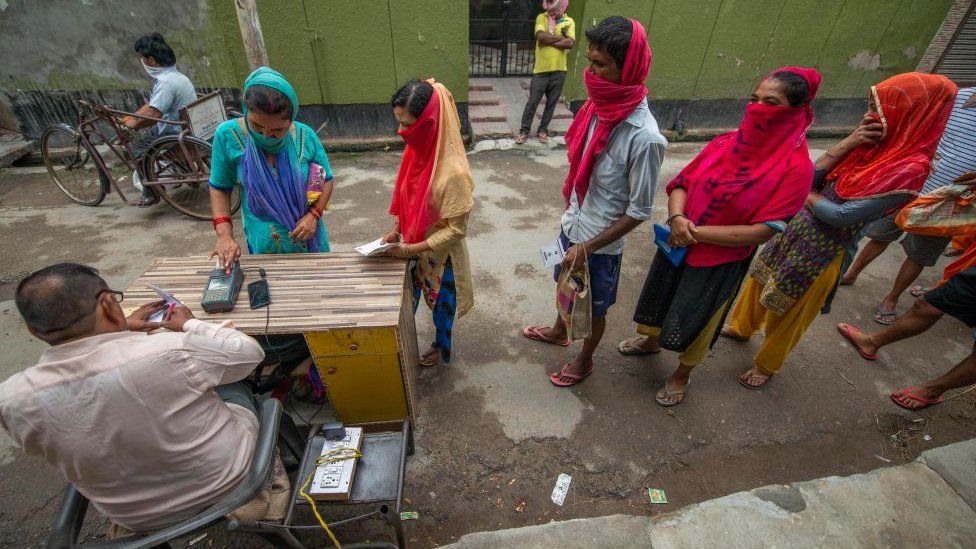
x: 70, y: 163
x: 183, y: 174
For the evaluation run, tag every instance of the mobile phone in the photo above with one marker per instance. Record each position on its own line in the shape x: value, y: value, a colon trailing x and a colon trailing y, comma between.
x: 258, y: 294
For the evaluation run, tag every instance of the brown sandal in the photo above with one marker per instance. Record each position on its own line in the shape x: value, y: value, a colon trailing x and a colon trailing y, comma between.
x: 745, y: 383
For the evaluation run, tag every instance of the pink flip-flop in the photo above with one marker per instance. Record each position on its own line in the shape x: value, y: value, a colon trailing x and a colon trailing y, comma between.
x: 574, y: 379
x: 846, y: 330
x: 535, y: 333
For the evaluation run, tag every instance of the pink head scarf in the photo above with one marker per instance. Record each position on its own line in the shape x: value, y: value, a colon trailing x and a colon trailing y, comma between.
x: 555, y: 9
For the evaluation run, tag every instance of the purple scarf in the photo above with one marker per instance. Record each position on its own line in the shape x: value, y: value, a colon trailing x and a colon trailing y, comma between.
x: 283, y: 199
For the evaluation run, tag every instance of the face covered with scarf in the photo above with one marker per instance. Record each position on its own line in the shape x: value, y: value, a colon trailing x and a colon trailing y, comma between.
x: 555, y: 9
x: 913, y: 109
x: 760, y: 172
x: 610, y: 102
x: 434, y: 181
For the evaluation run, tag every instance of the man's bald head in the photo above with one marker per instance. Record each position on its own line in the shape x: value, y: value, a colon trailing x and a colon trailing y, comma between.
x: 58, y: 302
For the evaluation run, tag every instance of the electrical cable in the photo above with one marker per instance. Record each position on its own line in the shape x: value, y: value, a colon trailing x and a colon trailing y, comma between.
x: 332, y: 456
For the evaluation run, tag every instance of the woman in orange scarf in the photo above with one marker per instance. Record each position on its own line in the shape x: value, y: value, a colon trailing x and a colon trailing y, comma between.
x: 431, y: 202
x: 870, y: 173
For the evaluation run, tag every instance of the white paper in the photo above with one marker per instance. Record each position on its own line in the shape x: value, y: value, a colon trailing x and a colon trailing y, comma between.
x: 374, y: 247
x: 165, y: 296
x: 562, y: 486
x: 552, y: 253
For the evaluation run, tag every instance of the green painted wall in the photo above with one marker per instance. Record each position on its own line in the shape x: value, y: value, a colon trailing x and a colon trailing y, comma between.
x: 360, y: 51
x: 716, y: 49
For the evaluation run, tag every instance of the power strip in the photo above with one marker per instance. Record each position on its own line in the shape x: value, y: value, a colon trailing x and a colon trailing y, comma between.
x: 333, y: 481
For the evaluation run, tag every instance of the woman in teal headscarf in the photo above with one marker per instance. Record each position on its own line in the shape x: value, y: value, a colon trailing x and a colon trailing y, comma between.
x: 282, y: 169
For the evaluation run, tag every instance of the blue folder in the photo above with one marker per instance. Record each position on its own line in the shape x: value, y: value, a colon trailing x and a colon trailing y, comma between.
x: 662, y: 235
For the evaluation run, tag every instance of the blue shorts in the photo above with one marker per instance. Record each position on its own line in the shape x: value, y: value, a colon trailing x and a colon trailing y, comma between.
x: 604, y: 275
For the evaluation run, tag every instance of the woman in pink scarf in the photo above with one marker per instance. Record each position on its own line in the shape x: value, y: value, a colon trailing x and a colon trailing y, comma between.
x: 736, y: 194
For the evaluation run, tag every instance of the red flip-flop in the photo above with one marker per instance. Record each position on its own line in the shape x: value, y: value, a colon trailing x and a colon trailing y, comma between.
x: 899, y: 398
x: 846, y: 330
x: 535, y: 333
x: 574, y: 379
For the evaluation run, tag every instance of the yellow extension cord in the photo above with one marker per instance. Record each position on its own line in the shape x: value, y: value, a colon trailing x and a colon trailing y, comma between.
x: 338, y: 454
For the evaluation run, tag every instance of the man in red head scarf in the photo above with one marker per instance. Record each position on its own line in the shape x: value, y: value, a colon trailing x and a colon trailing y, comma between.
x: 615, y: 152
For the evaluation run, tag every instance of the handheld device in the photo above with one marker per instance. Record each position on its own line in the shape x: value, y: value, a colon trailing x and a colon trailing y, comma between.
x: 220, y: 293
x: 258, y: 294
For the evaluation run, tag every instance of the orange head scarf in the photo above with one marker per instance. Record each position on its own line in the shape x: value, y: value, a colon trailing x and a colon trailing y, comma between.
x: 913, y: 109
x: 434, y: 181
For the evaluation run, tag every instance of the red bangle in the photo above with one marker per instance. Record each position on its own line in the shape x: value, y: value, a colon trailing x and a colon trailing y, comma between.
x: 223, y: 219
x: 317, y: 212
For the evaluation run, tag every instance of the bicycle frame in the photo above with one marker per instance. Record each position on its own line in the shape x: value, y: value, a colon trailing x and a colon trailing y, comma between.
x: 120, y: 145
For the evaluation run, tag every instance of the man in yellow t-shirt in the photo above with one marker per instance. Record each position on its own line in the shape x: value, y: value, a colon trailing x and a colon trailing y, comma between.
x: 555, y: 34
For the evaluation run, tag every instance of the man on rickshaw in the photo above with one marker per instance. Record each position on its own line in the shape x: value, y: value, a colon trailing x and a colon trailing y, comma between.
x: 171, y: 91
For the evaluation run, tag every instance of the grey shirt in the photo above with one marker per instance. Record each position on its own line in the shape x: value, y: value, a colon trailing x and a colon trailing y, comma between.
x: 623, y: 181
x: 171, y: 91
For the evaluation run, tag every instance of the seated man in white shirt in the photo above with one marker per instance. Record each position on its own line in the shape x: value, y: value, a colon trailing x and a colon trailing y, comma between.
x: 151, y: 428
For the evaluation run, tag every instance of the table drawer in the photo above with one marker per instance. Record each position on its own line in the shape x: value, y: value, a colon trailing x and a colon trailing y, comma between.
x: 352, y: 341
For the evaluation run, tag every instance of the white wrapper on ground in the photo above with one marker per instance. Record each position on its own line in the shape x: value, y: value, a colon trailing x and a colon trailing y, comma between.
x: 562, y: 486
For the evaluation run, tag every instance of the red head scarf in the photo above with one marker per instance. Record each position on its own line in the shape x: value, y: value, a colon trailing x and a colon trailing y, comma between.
x: 760, y: 172
x: 434, y: 181
x: 610, y: 103
x: 913, y: 108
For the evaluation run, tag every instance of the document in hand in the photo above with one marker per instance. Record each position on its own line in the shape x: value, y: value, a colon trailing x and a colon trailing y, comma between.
x: 374, y: 248
x: 170, y: 300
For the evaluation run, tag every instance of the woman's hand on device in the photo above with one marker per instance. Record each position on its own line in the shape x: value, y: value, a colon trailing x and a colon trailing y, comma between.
x: 227, y: 250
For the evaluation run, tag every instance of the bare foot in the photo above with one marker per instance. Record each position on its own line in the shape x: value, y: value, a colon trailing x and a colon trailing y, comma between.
x: 848, y: 280
x: 753, y: 378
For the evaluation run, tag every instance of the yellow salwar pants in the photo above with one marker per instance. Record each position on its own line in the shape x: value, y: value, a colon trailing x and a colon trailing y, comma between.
x: 783, y: 332
x: 696, y: 353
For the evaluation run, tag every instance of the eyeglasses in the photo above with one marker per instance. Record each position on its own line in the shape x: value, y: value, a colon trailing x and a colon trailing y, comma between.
x: 116, y: 295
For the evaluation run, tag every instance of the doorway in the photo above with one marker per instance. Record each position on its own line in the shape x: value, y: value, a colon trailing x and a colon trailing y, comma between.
x: 501, y: 38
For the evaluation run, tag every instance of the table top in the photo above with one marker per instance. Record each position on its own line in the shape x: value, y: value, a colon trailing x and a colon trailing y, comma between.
x: 309, y: 292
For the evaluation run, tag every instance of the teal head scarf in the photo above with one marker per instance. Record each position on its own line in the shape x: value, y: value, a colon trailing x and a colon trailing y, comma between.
x: 264, y: 76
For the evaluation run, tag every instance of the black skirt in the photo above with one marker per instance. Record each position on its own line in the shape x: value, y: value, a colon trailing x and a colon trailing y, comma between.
x: 681, y: 300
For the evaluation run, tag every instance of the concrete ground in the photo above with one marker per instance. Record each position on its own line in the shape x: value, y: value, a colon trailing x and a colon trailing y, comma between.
x: 493, y: 434
x: 927, y: 503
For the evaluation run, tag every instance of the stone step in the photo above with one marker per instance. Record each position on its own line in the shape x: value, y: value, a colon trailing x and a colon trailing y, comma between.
x: 490, y: 130
x: 483, y: 98
x: 480, y: 87
x: 486, y: 113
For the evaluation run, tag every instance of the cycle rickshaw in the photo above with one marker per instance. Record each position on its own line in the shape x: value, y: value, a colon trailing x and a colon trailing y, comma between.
x: 176, y: 166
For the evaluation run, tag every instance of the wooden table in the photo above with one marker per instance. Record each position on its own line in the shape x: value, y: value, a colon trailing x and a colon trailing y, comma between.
x: 356, y: 314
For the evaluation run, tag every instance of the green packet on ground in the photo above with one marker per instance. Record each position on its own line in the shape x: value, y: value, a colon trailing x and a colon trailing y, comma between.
x: 657, y: 495
x: 409, y: 515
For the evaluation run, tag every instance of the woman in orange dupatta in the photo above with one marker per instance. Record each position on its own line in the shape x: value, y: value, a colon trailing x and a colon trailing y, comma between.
x: 431, y: 202
x: 866, y: 176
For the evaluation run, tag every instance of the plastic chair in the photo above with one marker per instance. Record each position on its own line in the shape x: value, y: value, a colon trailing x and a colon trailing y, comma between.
x: 71, y: 515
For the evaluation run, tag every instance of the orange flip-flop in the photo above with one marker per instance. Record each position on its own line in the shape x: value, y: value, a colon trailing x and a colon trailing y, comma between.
x: 846, y: 330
